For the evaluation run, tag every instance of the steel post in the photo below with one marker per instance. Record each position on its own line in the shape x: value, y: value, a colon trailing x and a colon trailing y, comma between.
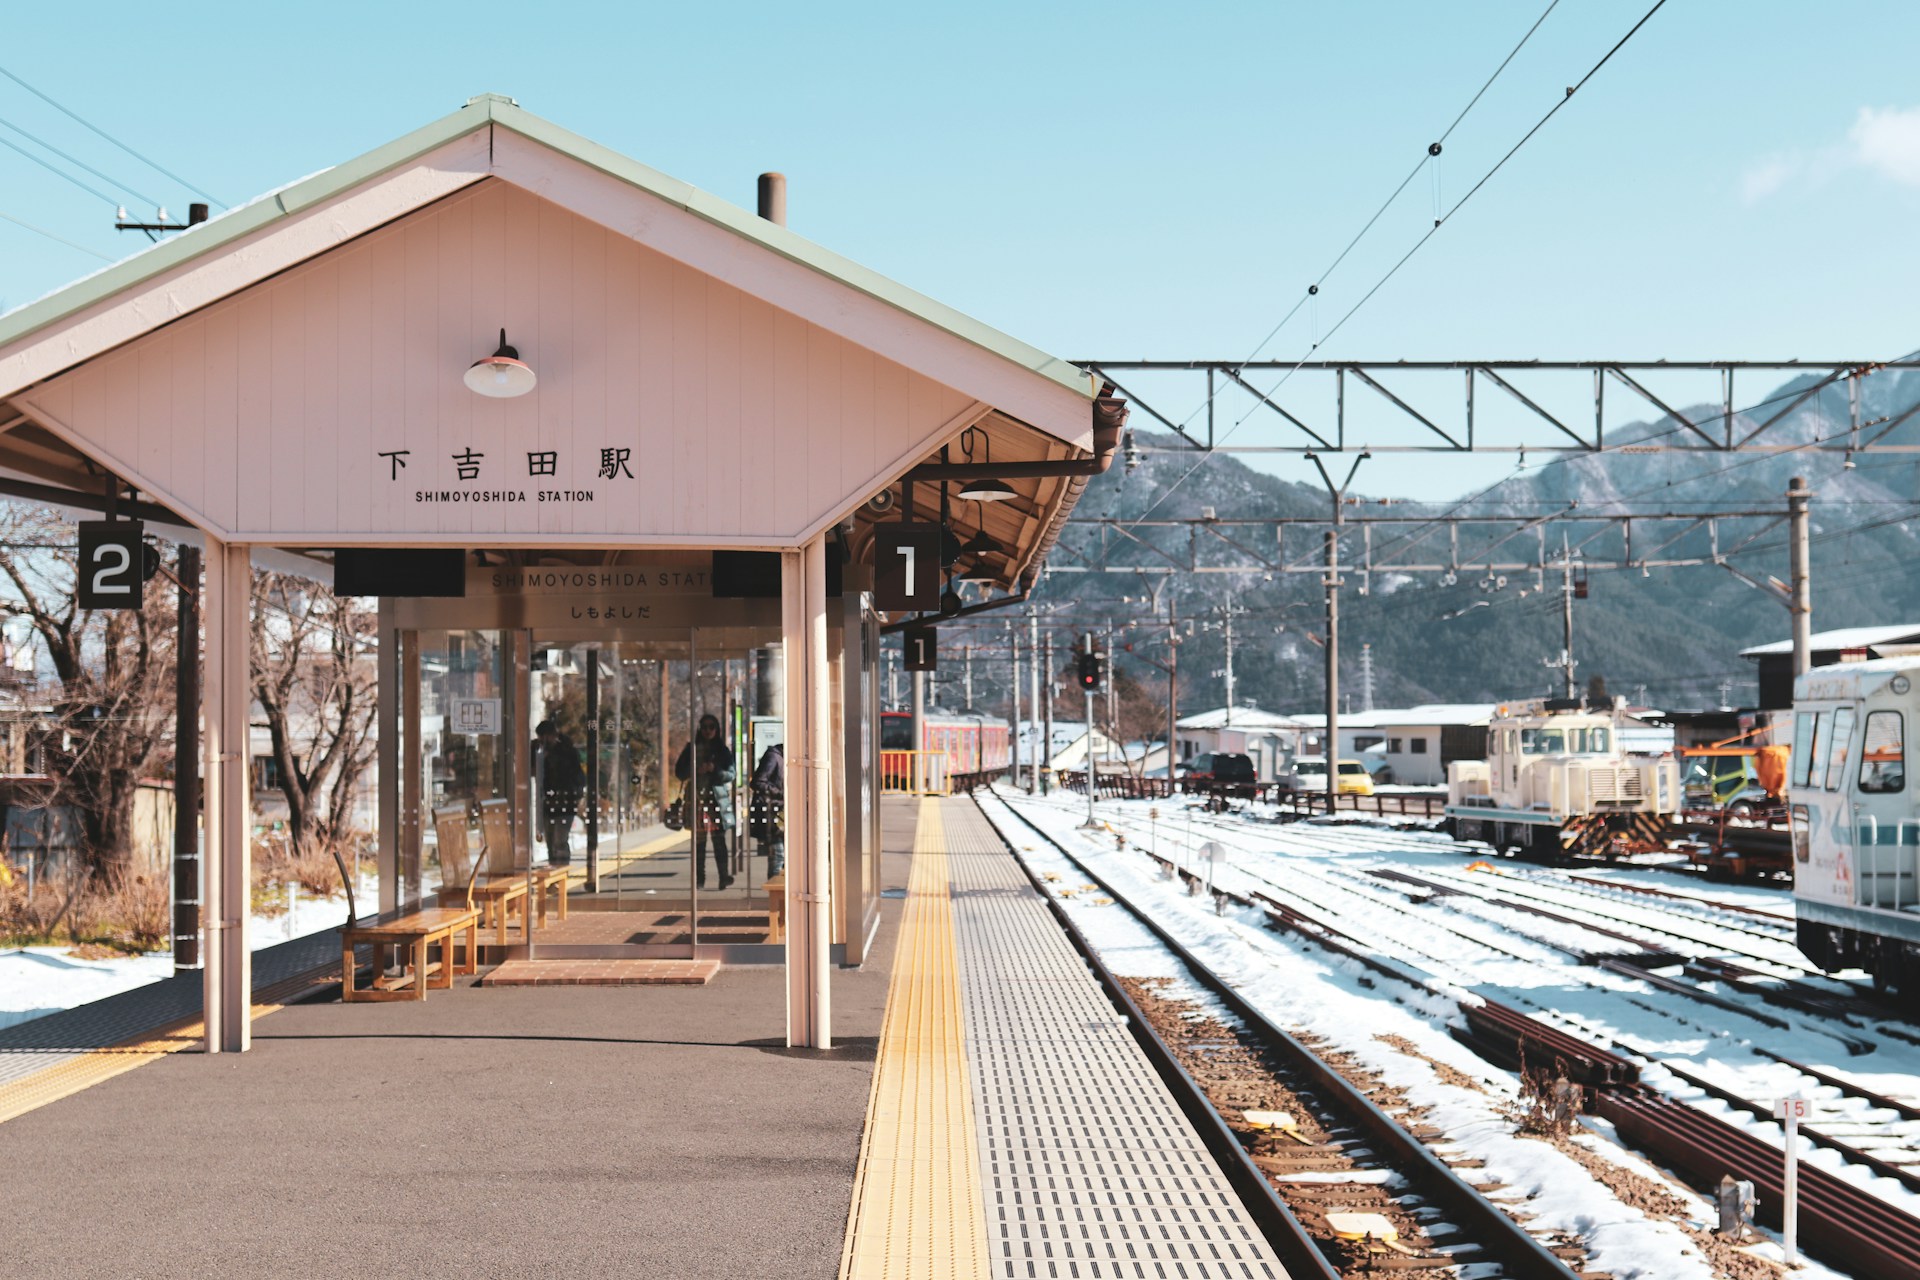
x: 1798, y: 497
x: 228, y: 973
x: 187, y: 897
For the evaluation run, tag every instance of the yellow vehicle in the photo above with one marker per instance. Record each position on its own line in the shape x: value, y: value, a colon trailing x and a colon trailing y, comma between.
x: 1354, y: 780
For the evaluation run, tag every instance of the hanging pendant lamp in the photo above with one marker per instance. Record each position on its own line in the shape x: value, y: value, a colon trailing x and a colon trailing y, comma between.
x: 502, y: 375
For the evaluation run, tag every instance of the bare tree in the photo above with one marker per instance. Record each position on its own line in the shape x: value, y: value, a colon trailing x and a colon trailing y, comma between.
x: 113, y: 709
x: 314, y: 679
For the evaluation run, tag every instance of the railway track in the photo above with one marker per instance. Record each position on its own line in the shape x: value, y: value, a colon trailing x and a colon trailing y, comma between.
x: 1849, y: 1224
x: 1350, y: 1155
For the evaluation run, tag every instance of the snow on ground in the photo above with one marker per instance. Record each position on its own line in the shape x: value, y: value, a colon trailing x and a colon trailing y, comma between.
x: 1463, y: 944
x: 35, y: 981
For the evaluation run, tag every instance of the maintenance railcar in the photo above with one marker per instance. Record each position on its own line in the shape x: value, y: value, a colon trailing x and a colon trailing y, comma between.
x: 1855, y: 822
x: 972, y: 748
x: 1557, y: 783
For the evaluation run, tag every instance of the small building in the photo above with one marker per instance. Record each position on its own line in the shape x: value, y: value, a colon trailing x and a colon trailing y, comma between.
x: 1827, y: 648
x: 1415, y: 743
x: 1269, y: 739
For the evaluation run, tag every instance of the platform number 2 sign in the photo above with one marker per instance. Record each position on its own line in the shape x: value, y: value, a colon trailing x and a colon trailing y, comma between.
x: 921, y: 648
x: 906, y: 567
x: 112, y: 564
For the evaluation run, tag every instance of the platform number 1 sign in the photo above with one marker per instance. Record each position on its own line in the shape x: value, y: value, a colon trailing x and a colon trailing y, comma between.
x: 113, y: 560
x: 906, y: 567
x: 921, y: 647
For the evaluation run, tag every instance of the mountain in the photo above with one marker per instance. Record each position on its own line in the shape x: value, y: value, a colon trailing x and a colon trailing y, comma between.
x: 1676, y: 632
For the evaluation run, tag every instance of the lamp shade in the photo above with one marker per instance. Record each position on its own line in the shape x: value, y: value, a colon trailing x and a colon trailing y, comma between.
x: 987, y: 491
x: 502, y: 375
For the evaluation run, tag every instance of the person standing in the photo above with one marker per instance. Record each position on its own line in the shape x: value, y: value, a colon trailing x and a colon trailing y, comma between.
x: 560, y: 779
x: 769, y: 801
x: 706, y: 765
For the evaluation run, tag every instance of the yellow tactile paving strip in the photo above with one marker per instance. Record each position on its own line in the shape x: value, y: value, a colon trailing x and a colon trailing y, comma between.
x: 69, y: 1076
x: 917, y: 1212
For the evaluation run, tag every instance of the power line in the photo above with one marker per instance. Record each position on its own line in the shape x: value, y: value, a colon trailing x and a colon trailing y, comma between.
x: 1422, y: 241
x: 104, y: 177
x: 58, y: 172
x: 20, y: 222
x: 71, y: 115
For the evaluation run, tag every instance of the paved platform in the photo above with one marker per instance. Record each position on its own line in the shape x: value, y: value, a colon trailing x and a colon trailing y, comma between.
x: 602, y: 973
x: 581, y: 1131
x: 1016, y: 1128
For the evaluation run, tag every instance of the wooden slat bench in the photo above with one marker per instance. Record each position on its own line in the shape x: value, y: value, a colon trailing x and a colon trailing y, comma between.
x: 777, y: 908
x: 414, y: 932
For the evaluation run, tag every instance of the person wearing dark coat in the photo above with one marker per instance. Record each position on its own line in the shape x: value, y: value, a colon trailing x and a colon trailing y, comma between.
x: 706, y: 766
x: 769, y: 797
x: 560, y: 778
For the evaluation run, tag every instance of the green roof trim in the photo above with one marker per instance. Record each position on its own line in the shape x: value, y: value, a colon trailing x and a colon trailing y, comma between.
x: 494, y: 109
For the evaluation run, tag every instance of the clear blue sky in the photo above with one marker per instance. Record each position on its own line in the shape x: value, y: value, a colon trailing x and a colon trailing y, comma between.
x: 1113, y: 179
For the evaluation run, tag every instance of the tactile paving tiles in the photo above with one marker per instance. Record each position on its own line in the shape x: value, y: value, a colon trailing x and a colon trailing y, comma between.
x: 1089, y: 1170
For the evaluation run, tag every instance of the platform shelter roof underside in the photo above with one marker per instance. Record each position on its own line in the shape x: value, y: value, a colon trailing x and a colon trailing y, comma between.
x: 290, y: 373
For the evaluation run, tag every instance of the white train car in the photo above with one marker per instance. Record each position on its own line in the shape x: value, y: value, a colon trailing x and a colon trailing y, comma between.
x: 1855, y: 823
x: 1559, y: 782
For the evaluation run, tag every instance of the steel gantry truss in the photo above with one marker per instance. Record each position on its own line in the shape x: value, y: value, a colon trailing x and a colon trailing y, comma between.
x: 1413, y: 544
x: 1534, y: 395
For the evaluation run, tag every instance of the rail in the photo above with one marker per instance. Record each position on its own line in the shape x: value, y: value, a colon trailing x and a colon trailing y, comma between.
x: 1125, y: 786
x: 1502, y: 1235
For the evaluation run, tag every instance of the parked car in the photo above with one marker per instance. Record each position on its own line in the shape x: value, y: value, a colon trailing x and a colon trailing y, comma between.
x: 1226, y: 773
x: 1312, y: 772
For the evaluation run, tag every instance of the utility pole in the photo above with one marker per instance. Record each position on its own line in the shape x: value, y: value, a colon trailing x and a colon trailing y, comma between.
x: 1113, y: 704
x: 1091, y: 823
x: 1337, y: 494
x: 1366, y: 677
x: 1013, y: 650
x: 1041, y: 750
x: 1801, y: 603
x: 1565, y: 663
x: 1227, y: 630
x: 967, y: 678
x: 1043, y: 762
x: 1173, y: 686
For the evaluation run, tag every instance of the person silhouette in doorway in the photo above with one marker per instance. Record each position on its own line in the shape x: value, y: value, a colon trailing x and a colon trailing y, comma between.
x: 559, y: 779
x: 706, y: 766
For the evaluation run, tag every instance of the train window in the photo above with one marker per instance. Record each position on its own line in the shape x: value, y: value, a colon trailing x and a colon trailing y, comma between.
x: 1883, y: 756
x: 1542, y: 742
x: 1805, y: 734
x: 1599, y: 741
x: 1837, y: 752
x: 1802, y: 842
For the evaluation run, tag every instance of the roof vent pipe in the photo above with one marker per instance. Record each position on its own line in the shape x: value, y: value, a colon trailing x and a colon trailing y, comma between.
x: 773, y: 198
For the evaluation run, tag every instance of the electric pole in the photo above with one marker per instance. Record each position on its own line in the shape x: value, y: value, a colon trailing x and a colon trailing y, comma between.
x: 1041, y: 751
x: 1337, y: 494
x: 1086, y: 687
x: 1173, y: 686
x: 1013, y: 652
x: 1801, y: 603
x: 1565, y: 663
x: 967, y: 677
x: 1043, y: 763
x: 1366, y: 677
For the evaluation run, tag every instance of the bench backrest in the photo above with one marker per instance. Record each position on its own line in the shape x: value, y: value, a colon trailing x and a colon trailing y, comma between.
x: 456, y: 856
x: 496, y: 833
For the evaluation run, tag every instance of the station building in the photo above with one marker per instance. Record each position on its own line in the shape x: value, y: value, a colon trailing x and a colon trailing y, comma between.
x: 611, y: 453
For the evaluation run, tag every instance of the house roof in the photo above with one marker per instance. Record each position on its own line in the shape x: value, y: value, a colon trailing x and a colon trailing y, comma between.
x: 1843, y: 638
x: 495, y: 110
x: 1243, y: 718
x: 1433, y: 713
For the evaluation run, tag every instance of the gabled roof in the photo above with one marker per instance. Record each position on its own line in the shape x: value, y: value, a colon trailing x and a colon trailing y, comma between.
x: 1843, y: 638
x: 1243, y: 718
x: 494, y: 110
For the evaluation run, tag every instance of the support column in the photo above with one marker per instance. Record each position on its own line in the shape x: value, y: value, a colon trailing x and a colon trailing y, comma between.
x: 1800, y: 570
x: 809, y: 799
x: 228, y: 860
x: 187, y: 898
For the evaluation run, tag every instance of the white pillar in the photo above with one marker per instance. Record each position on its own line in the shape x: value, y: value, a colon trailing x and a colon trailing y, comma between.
x: 226, y: 695
x: 809, y: 798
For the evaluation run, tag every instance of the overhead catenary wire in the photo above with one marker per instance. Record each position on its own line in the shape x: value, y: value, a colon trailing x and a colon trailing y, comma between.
x: 77, y: 162
x: 1422, y: 241
x: 58, y: 172
x: 89, y: 125
x: 42, y: 231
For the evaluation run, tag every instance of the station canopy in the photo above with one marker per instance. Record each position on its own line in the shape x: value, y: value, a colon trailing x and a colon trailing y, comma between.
x: 290, y: 374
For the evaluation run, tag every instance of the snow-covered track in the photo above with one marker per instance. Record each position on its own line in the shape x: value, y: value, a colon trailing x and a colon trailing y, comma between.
x: 1499, y: 1234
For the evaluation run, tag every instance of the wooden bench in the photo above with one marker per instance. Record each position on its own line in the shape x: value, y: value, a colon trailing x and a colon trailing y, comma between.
x: 416, y: 931
x: 777, y: 908
x: 495, y: 892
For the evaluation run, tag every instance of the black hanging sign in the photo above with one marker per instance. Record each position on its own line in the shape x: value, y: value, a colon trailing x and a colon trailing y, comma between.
x: 112, y: 564
x: 906, y: 567
x: 921, y: 647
